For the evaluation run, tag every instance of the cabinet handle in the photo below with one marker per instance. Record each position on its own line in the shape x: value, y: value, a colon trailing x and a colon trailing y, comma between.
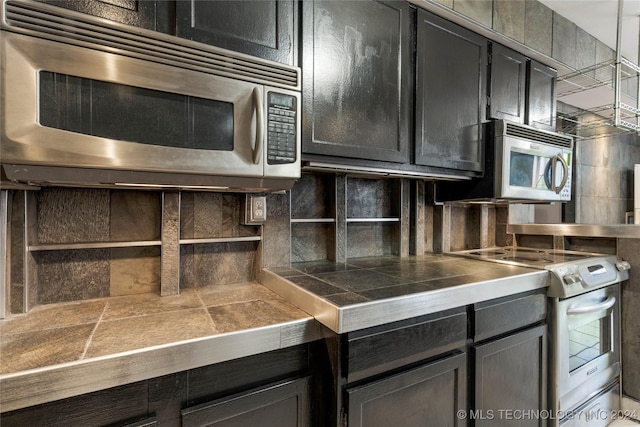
x: 605, y: 305
x: 257, y: 102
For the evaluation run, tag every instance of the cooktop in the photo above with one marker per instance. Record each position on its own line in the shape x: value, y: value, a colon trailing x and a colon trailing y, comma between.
x: 572, y: 272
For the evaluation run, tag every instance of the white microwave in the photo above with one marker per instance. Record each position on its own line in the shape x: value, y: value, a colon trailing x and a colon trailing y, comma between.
x: 522, y: 164
x: 90, y: 102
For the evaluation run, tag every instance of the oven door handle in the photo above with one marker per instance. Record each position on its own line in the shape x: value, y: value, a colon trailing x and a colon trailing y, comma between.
x: 257, y: 102
x: 604, y: 305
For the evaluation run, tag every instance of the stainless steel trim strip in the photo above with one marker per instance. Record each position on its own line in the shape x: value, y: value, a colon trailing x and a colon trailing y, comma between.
x: 363, y: 170
x: 630, y: 231
x: 221, y: 240
x: 5, y: 242
x: 359, y: 316
x: 93, y: 245
x: 43, y: 385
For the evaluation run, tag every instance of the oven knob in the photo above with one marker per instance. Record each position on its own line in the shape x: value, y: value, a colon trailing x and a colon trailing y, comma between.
x: 572, y: 278
x: 623, y: 265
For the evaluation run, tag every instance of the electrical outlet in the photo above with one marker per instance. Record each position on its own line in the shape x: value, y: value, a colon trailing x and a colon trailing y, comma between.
x: 255, y: 209
x: 258, y: 208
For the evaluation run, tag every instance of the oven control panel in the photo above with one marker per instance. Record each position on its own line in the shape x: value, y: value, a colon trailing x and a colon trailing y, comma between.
x: 577, y: 277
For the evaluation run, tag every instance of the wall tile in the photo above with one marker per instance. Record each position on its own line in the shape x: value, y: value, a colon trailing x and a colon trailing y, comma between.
x: 478, y: 10
x: 509, y: 18
x: 134, y: 271
x: 276, y: 232
x: 134, y: 215
x: 63, y: 215
x: 585, y: 50
x: 72, y: 275
x: 538, y: 26
x: 310, y: 242
x: 565, y: 34
x: 447, y: 3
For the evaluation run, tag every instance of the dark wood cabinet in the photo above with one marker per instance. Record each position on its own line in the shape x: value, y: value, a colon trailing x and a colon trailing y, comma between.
x: 507, y: 84
x: 428, y: 395
x: 357, y: 79
x: 451, y: 65
x: 267, y: 389
x: 510, y: 360
x: 284, y: 404
x: 541, y: 96
x: 264, y: 28
x: 510, y: 376
x: 153, y: 15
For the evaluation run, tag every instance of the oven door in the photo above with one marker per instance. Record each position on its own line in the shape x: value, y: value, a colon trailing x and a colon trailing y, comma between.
x: 532, y: 170
x: 66, y: 105
x: 587, y: 344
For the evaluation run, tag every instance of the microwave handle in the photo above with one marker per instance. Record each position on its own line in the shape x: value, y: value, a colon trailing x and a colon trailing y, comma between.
x: 257, y: 101
x: 605, y: 305
x: 565, y: 173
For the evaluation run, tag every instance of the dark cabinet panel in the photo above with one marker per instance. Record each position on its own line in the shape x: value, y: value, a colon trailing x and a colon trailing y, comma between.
x: 264, y: 28
x: 150, y: 14
x: 507, y: 77
x: 376, y: 350
x: 357, y: 82
x: 429, y: 395
x: 541, y: 96
x: 123, y: 405
x: 511, y: 374
x: 450, y: 95
x: 286, y: 404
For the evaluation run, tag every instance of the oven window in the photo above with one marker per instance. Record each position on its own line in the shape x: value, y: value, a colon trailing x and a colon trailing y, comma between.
x: 129, y: 113
x: 588, y: 342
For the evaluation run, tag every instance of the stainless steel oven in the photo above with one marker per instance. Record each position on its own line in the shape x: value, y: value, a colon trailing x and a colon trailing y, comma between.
x: 584, y: 323
x: 587, y: 345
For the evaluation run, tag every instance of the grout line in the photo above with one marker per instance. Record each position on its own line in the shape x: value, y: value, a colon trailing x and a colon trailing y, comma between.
x: 88, y: 343
x: 215, y: 329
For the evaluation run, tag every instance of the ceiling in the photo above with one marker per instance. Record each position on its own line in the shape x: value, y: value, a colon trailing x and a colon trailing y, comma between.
x: 599, y: 18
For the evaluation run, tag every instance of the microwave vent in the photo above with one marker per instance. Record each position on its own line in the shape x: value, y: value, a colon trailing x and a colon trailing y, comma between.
x: 526, y: 132
x: 66, y: 26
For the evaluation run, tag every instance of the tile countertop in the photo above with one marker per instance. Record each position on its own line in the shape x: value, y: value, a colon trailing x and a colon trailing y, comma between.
x: 366, y: 292
x: 66, y: 349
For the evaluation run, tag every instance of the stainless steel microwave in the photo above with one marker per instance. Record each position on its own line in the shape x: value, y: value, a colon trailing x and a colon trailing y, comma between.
x: 522, y: 164
x: 90, y: 102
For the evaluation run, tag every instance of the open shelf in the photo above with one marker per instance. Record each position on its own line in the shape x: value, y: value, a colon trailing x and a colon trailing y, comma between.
x: 593, y: 90
x: 91, y: 245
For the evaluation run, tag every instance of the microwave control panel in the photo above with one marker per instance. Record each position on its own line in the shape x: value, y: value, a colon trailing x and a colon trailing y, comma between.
x: 281, y: 131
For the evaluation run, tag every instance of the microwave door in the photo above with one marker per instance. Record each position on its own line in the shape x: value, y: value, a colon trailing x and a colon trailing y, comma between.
x: 528, y: 171
x: 126, y: 113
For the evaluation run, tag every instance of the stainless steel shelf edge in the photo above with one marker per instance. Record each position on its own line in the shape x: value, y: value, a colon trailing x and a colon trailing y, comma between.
x: 628, y: 231
x: 379, y: 312
x: 55, y: 382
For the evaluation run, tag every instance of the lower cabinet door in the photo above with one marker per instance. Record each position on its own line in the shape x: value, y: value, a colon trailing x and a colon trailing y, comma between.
x: 284, y: 404
x: 511, y: 380
x: 433, y: 394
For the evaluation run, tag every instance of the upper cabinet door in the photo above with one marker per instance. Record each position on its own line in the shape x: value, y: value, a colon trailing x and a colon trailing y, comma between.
x: 263, y: 28
x: 541, y: 96
x: 507, y: 77
x: 450, y: 95
x: 357, y: 79
x: 148, y: 14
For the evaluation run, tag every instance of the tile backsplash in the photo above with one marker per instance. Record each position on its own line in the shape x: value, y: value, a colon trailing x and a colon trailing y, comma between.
x: 73, y: 244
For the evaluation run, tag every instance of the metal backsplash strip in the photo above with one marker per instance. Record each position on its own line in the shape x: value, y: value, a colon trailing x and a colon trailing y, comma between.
x: 66, y: 26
